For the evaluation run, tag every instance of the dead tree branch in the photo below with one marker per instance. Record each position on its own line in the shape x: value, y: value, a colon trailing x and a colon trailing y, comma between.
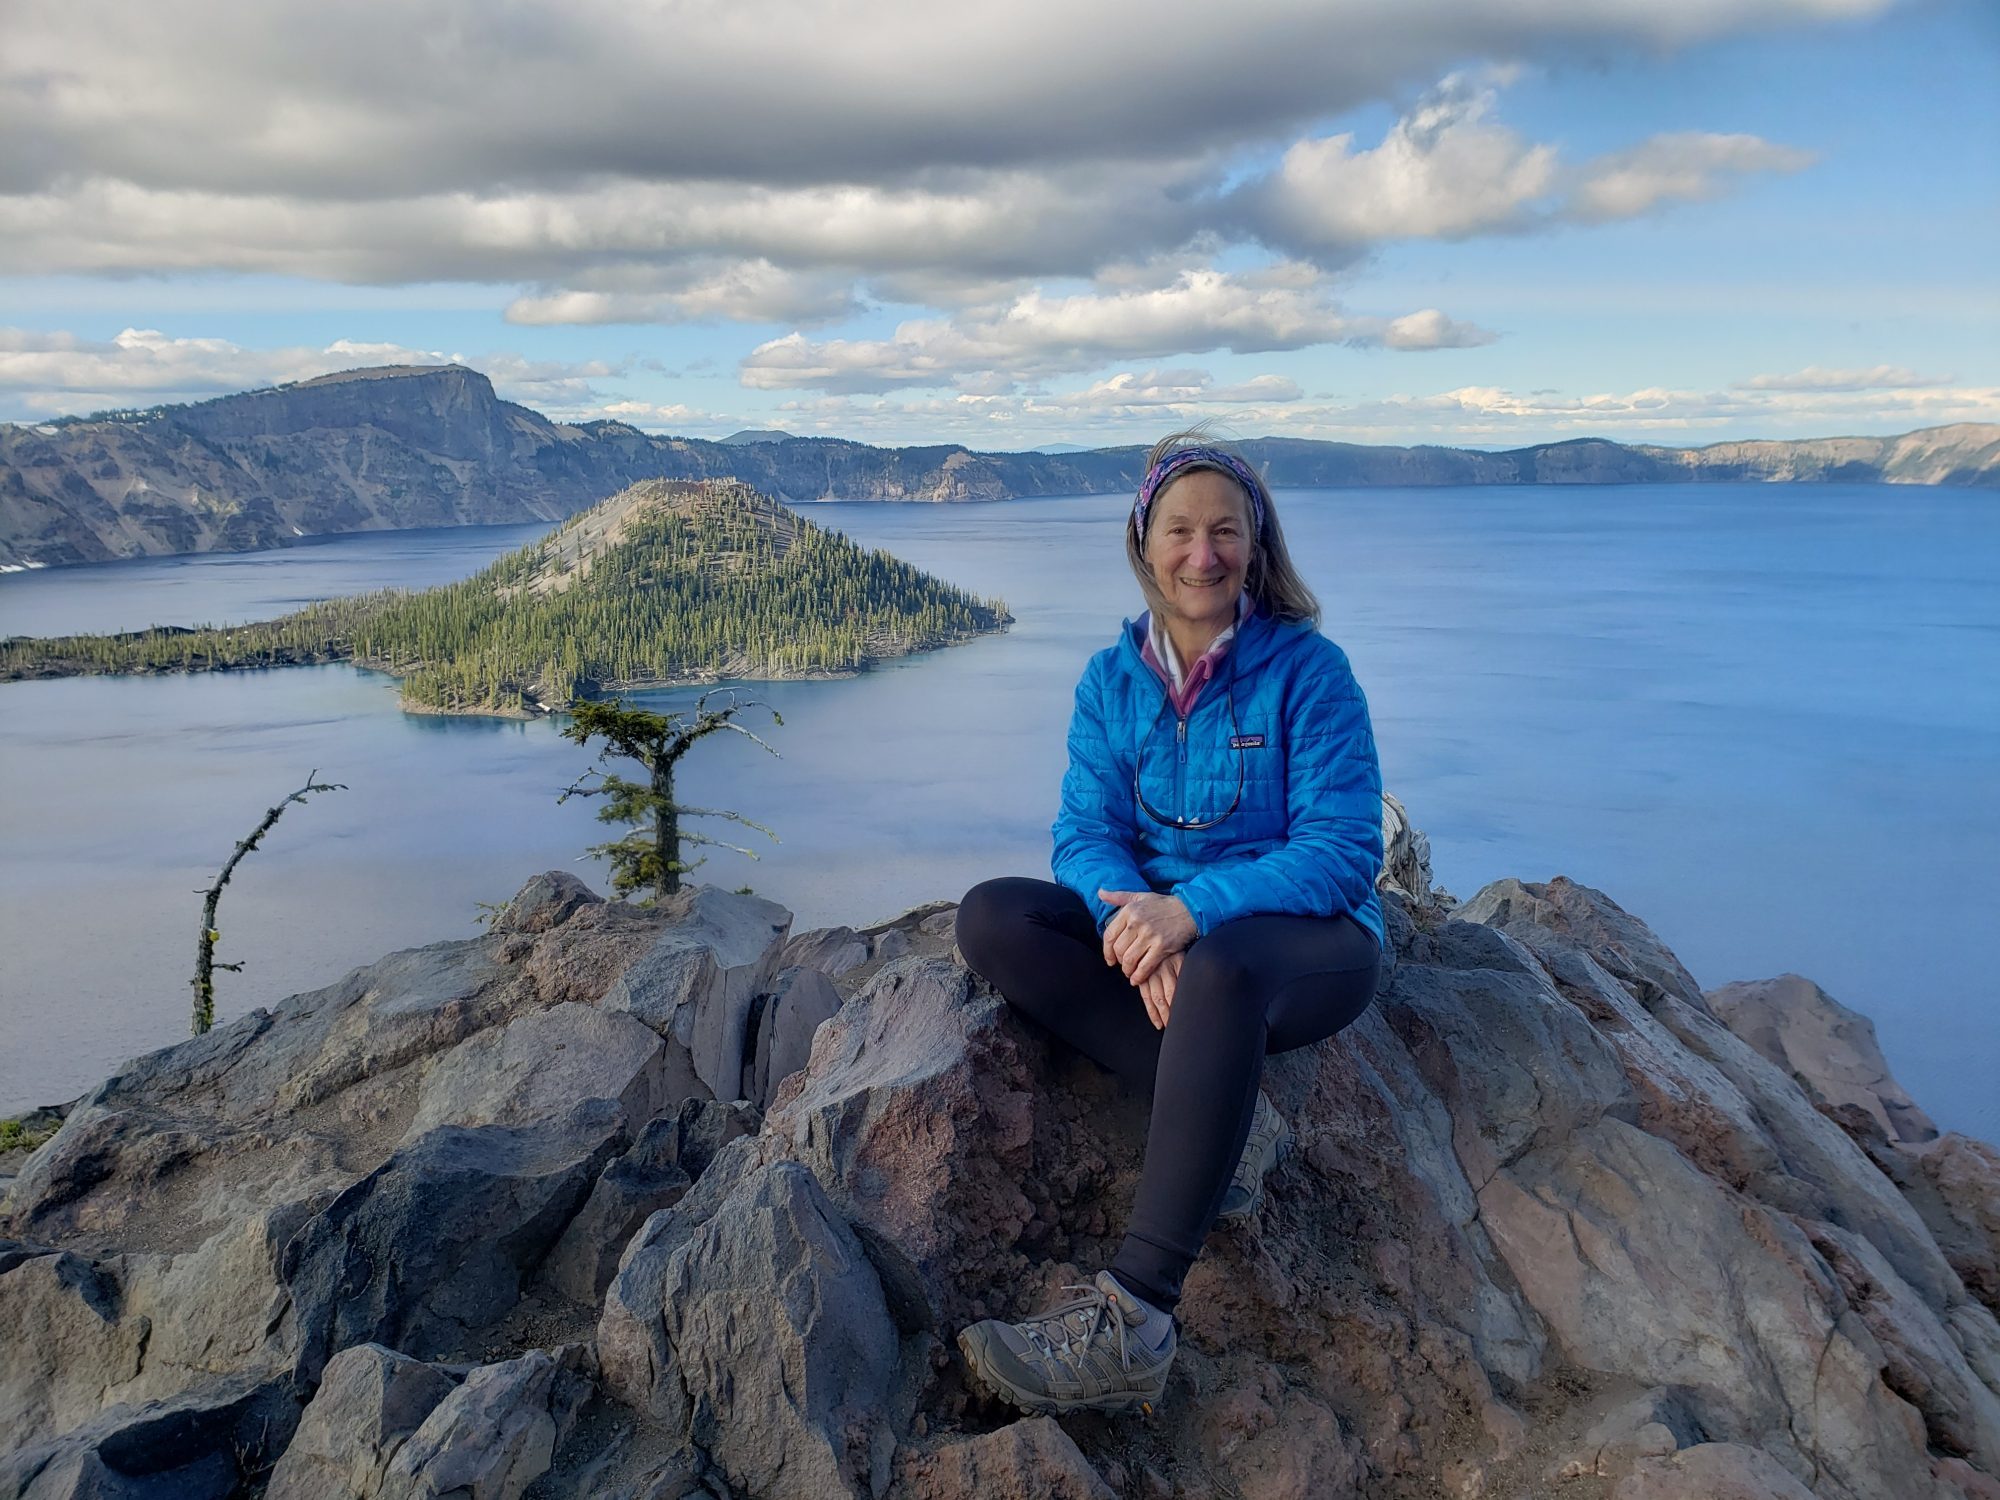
x: 205, y: 963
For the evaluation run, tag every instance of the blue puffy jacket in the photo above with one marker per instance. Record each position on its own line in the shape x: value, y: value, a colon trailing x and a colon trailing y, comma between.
x: 1284, y: 713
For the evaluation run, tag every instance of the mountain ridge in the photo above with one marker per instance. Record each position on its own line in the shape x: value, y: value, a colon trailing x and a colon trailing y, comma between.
x: 397, y: 447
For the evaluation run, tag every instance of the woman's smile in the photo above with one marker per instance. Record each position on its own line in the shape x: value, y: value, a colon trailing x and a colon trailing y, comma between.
x: 1198, y: 542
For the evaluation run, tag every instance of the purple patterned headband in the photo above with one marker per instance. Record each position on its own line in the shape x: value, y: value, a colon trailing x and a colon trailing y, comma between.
x: 1209, y: 458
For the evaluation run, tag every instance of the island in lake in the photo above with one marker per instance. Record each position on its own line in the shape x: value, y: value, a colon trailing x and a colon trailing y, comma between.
x: 667, y: 582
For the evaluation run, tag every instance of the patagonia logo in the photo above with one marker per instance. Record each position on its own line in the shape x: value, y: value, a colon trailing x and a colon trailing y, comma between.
x: 1246, y: 742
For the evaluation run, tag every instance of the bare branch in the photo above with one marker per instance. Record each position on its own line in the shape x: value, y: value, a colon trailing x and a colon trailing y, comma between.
x: 205, y: 963
x: 704, y: 840
x: 739, y: 729
x: 578, y: 789
x: 716, y: 812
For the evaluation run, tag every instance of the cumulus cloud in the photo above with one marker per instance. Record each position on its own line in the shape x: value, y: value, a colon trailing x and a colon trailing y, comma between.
x: 1054, y: 189
x: 393, y: 98
x: 753, y: 291
x: 663, y: 164
x: 1485, y: 416
x: 60, y: 373
x: 647, y: 413
x: 1447, y: 170
x: 1039, y: 335
x: 1814, y: 378
x: 1431, y: 329
x: 1175, y: 387
x: 1685, y: 167
x: 1442, y: 171
x: 746, y: 242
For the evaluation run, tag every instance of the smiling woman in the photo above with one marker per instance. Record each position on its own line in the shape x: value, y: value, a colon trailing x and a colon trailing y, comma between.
x: 1214, y: 901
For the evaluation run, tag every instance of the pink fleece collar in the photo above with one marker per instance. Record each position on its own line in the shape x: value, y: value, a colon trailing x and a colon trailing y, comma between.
x: 1184, y: 694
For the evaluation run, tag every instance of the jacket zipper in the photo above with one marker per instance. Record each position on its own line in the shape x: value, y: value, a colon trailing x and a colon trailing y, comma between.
x: 1180, y: 780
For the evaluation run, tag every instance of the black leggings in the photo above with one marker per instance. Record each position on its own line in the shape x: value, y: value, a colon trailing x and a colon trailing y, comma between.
x: 1252, y: 987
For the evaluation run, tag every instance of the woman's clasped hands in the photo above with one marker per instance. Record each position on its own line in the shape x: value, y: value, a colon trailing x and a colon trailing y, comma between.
x: 1148, y: 938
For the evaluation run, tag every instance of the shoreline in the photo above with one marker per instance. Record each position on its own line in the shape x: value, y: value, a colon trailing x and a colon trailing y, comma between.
x: 533, y: 705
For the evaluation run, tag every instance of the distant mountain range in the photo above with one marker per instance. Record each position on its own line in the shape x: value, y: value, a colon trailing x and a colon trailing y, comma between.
x: 434, y: 446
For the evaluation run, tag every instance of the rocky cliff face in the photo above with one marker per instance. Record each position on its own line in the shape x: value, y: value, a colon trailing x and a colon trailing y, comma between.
x: 433, y: 446
x: 367, y: 450
x: 612, y: 1202
x: 1966, y: 453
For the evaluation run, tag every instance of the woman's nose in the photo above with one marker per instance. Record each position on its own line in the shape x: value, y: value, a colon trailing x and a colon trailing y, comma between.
x: 1204, y: 553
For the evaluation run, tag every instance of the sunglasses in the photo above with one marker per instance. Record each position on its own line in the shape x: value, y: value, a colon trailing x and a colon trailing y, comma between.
x: 1183, y: 823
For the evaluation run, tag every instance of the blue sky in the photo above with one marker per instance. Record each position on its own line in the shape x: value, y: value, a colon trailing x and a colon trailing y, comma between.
x: 1485, y: 224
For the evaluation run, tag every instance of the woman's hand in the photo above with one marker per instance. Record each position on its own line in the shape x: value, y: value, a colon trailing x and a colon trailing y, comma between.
x: 1147, y: 928
x: 1158, y: 989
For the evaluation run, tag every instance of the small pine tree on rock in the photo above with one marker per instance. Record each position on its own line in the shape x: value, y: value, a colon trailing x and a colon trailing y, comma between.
x: 651, y: 855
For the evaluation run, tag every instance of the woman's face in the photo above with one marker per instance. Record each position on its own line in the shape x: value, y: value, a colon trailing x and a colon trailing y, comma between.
x: 1198, y: 546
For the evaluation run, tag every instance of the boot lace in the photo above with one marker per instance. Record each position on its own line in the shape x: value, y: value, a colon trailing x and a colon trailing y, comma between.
x: 1076, y: 1326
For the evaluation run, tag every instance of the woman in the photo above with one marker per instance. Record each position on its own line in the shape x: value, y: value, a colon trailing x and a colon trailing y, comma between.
x: 1216, y: 856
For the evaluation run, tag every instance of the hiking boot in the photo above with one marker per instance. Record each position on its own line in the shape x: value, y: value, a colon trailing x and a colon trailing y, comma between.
x: 1270, y: 1143
x: 1082, y: 1355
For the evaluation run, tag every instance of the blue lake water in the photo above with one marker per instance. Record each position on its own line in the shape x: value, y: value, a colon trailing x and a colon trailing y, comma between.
x: 1766, y: 719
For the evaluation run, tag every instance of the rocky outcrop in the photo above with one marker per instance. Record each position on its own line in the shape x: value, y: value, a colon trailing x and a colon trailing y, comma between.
x: 407, y: 446
x: 489, y: 1219
x: 370, y: 1400
x: 698, y: 985
x: 1829, y: 1051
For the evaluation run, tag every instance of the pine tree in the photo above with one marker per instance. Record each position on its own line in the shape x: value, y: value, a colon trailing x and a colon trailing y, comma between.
x: 651, y: 854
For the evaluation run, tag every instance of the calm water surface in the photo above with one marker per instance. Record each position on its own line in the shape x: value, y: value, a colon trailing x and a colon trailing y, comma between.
x: 1764, y: 718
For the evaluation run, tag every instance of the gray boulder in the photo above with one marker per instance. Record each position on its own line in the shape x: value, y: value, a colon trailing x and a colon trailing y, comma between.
x: 1643, y: 1266
x: 547, y: 900
x: 917, y: 1116
x: 83, y: 1334
x: 497, y: 1433
x: 799, y: 1001
x: 783, y: 1342
x: 254, y: 1113
x: 370, y: 1400
x: 831, y: 950
x: 1824, y: 1175
x: 1953, y: 1183
x: 539, y: 1065
x: 431, y: 1249
x: 1589, y: 920
x: 1537, y: 1176
x: 654, y: 1174
x: 634, y: 1355
x: 1827, y: 1049
x: 1932, y: 1363
x: 1518, y: 1068
x: 204, y: 1444
x: 1032, y: 1457
x: 1380, y: 1144
x: 280, y: 1106
x: 69, y: 1346
x: 1713, y: 1471
x: 697, y: 984
x: 1681, y: 1096
x: 1653, y: 1424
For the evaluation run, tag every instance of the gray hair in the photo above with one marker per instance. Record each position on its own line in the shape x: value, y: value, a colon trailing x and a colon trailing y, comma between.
x: 1273, y: 583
